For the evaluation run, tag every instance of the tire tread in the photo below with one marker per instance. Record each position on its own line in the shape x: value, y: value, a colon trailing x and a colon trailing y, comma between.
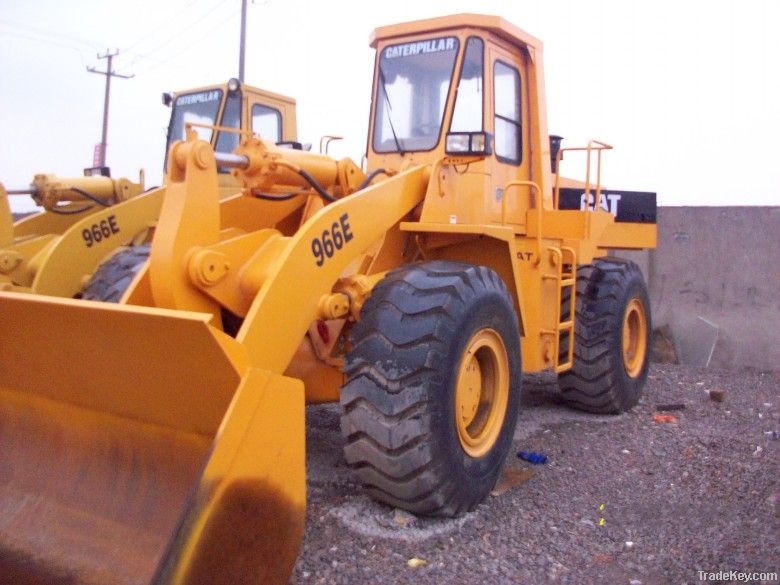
x: 387, y: 410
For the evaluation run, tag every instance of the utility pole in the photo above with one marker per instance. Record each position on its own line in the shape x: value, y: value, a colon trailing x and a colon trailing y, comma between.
x: 109, y: 73
x: 243, y: 42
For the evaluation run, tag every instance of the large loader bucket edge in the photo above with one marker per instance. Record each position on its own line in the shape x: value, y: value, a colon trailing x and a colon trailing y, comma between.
x: 141, y: 420
x: 246, y: 521
x: 155, y: 365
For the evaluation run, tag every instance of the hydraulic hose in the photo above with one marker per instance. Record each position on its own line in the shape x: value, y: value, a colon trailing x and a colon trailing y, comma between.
x: 90, y: 196
x: 282, y: 197
x: 62, y: 211
x: 370, y: 177
x: 316, y: 186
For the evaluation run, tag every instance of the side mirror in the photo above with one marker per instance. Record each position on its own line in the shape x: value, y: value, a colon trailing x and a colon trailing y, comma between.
x: 555, y: 147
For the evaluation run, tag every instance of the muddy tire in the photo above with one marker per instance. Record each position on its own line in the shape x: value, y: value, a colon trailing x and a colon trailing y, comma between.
x: 612, y: 338
x: 114, y: 275
x: 432, y: 388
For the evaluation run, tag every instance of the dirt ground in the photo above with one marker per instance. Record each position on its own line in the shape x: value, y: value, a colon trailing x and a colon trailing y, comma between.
x: 699, y: 493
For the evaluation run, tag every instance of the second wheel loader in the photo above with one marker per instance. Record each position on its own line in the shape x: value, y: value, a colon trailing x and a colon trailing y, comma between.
x: 87, y: 220
x: 161, y: 439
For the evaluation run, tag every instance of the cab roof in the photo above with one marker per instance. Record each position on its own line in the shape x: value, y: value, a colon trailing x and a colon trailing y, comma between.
x: 493, y: 24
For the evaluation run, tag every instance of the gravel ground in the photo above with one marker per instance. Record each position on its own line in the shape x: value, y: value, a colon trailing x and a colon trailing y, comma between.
x: 700, y: 493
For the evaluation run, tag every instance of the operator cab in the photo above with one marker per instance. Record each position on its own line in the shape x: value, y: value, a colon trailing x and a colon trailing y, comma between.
x: 230, y: 105
x: 462, y: 86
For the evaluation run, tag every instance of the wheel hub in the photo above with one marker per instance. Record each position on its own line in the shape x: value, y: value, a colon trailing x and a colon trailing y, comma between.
x: 481, y: 392
x: 634, y: 338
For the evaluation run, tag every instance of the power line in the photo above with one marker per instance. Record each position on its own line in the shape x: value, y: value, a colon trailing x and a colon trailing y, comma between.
x: 185, y: 29
x: 197, y: 41
x: 157, y: 29
x: 31, y: 37
x: 46, y: 32
x: 22, y: 35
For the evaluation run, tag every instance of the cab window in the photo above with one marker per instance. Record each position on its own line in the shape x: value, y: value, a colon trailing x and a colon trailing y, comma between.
x: 414, y: 79
x: 231, y: 118
x: 467, y: 115
x: 267, y: 122
x: 194, y: 108
x: 508, y: 135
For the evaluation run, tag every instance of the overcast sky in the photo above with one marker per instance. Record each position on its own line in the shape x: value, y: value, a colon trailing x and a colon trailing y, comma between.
x: 687, y: 91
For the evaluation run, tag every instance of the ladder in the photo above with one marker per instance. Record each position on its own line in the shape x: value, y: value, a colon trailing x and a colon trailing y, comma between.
x: 565, y: 261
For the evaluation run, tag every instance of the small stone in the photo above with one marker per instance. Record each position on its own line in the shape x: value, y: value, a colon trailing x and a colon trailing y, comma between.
x: 664, y: 418
x: 603, y: 558
x: 758, y: 450
x: 306, y: 574
x: 626, y: 452
x: 629, y: 545
x: 415, y: 563
x: 403, y: 518
x: 634, y: 582
x: 717, y: 395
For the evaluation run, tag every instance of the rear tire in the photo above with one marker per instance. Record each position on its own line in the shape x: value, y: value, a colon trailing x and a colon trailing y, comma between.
x: 433, y: 387
x: 612, y: 338
x: 111, y: 279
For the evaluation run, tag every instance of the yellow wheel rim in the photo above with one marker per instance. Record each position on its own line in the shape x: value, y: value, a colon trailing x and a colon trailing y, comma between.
x: 481, y: 392
x: 634, y: 338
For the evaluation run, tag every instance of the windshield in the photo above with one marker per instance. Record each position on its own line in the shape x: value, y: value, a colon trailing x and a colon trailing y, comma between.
x: 413, y: 82
x: 194, y: 108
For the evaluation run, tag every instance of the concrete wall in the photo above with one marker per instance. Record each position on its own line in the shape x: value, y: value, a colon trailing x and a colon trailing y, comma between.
x: 715, y: 280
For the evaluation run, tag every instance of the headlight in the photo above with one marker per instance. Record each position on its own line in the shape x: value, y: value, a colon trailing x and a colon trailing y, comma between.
x: 468, y: 143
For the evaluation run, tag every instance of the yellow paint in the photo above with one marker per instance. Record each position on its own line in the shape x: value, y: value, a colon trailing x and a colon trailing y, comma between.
x: 79, y: 259
x: 481, y: 392
x: 634, y: 337
x: 6, y: 219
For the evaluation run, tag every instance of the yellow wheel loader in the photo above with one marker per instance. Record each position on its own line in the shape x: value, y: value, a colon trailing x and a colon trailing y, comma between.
x: 161, y: 439
x: 96, y: 219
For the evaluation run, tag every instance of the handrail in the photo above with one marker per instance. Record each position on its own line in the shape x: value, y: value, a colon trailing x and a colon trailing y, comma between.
x: 190, y: 125
x: 596, y: 145
x: 539, y: 210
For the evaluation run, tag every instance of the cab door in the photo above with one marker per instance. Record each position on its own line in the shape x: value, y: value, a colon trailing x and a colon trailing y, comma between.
x: 508, y: 113
x: 270, y: 115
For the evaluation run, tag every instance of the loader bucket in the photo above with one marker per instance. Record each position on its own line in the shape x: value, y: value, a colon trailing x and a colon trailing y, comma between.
x: 137, y: 445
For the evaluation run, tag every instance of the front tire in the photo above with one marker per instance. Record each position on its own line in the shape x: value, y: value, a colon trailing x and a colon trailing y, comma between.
x: 433, y: 387
x: 611, y: 338
x: 111, y: 279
